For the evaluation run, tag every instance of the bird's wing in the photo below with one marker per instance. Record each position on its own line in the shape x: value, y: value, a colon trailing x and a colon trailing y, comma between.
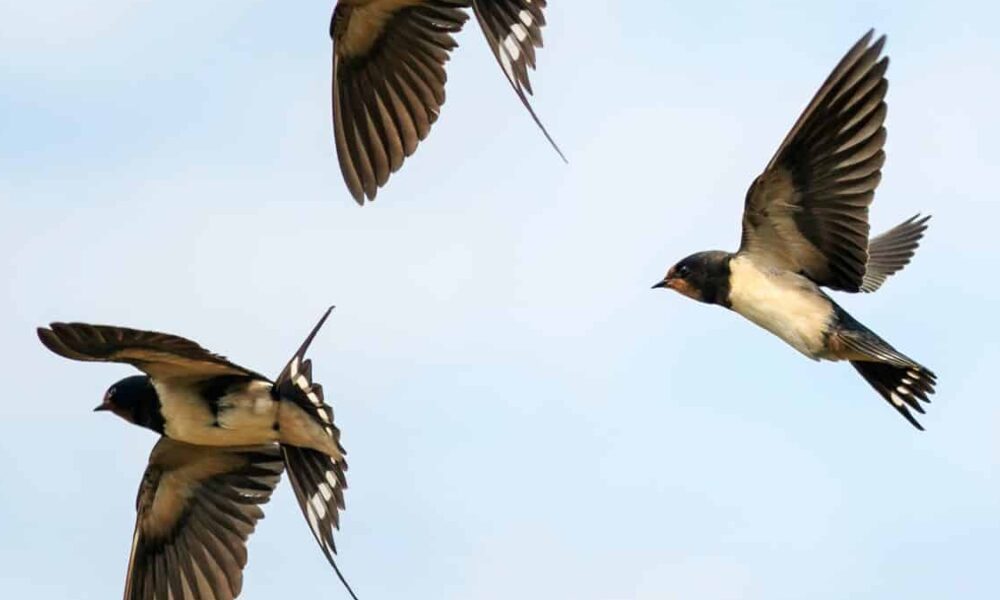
x: 891, y: 251
x: 513, y: 29
x: 808, y: 211
x: 318, y: 479
x: 388, y: 83
x: 159, y: 355
x: 196, y: 507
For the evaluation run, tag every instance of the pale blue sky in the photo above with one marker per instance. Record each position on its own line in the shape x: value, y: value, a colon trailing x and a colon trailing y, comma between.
x: 524, y: 417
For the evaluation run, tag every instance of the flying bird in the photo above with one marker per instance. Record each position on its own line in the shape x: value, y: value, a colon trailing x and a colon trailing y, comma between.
x: 389, y: 74
x: 805, y: 227
x: 226, y: 435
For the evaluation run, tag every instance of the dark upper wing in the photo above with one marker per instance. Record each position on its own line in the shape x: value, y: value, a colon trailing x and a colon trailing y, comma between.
x: 196, y: 507
x: 808, y: 211
x: 513, y: 29
x: 388, y: 83
x: 158, y: 354
x: 891, y: 251
x: 318, y: 479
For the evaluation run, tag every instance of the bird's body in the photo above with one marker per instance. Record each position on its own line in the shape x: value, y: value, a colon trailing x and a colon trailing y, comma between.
x: 805, y: 228
x: 787, y: 304
x: 246, y: 411
x: 227, y: 434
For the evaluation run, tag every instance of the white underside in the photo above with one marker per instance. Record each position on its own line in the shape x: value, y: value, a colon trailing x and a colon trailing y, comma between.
x: 245, y: 418
x: 786, y: 304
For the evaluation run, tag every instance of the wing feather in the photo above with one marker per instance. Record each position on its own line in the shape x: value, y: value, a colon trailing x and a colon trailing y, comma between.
x: 808, y: 211
x: 388, y: 83
x: 157, y: 354
x: 890, y: 252
x: 196, y: 508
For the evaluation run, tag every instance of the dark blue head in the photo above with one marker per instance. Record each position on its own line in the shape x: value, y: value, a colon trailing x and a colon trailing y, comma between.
x: 703, y: 276
x: 135, y: 400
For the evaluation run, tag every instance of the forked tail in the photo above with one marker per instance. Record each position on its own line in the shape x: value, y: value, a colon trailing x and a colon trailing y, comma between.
x: 903, y: 386
x: 317, y: 478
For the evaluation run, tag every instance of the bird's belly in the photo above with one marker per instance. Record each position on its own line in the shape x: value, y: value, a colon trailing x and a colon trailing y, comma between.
x: 785, y: 304
x: 240, y: 419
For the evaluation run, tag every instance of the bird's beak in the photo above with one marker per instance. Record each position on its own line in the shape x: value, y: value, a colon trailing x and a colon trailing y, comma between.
x: 102, y: 407
x: 668, y: 281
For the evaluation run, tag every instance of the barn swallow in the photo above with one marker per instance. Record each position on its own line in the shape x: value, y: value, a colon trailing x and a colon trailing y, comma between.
x: 389, y: 74
x: 226, y: 432
x: 805, y: 227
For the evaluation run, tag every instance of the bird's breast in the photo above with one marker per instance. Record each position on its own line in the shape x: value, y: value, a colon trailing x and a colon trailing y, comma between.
x: 786, y: 304
x: 245, y: 416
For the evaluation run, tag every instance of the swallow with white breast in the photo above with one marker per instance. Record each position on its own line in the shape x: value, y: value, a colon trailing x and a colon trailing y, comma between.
x: 227, y: 433
x: 805, y: 227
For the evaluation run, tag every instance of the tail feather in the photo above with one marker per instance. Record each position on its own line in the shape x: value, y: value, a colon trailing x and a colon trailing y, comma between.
x: 317, y: 478
x: 319, y: 484
x: 902, y: 381
x: 904, y: 387
x: 513, y: 29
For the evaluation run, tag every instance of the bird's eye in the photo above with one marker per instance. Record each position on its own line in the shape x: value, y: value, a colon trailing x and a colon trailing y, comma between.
x: 683, y: 271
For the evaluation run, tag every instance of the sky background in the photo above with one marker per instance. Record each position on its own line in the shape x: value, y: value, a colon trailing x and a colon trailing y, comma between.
x: 523, y: 416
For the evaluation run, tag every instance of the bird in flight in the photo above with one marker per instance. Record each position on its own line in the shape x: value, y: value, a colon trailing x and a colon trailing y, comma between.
x: 226, y: 435
x: 805, y: 227
x: 389, y: 74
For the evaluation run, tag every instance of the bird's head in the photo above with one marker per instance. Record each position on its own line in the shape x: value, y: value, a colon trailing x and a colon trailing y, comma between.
x: 703, y: 277
x: 130, y: 398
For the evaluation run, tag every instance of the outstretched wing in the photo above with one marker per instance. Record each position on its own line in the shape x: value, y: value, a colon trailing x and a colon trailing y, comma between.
x: 388, y: 83
x: 513, y: 29
x: 159, y: 355
x: 317, y: 478
x: 891, y: 251
x: 196, y: 508
x: 808, y: 211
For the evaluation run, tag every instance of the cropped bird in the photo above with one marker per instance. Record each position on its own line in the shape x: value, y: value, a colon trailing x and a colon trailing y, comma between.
x: 226, y: 434
x: 389, y: 74
x: 805, y: 226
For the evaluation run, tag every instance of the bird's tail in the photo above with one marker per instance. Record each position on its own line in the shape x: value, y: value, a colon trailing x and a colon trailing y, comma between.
x: 902, y: 381
x: 318, y: 481
x: 317, y: 477
x: 903, y: 386
x: 513, y: 29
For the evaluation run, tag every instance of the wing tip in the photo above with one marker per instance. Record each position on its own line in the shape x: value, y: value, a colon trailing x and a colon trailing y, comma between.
x: 47, y: 336
x: 51, y: 338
